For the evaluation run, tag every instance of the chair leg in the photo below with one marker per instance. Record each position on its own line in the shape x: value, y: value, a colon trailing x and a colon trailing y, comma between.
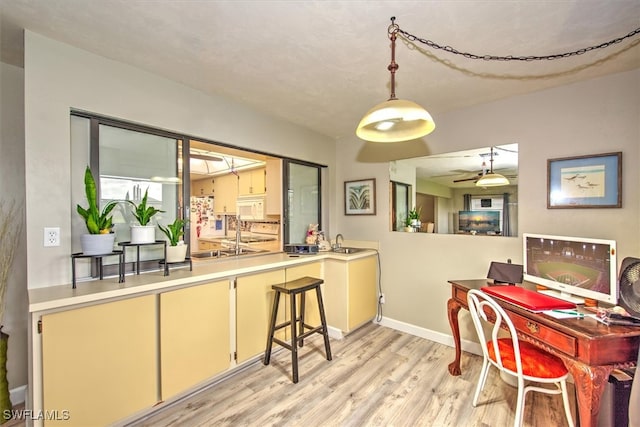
x: 294, y: 339
x: 565, y: 401
x: 517, y: 422
x: 302, y: 309
x: 272, y: 327
x: 481, y: 381
x: 323, y: 320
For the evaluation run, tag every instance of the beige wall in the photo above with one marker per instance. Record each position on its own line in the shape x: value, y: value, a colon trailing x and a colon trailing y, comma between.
x: 591, y: 117
x: 12, y: 190
x: 59, y: 77
x: 595, y: 116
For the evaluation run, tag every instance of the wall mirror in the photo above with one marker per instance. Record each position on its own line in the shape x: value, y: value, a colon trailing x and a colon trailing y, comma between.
x: 444, y: 193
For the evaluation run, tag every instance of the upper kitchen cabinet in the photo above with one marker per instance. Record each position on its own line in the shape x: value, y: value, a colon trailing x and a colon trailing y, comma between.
x: 252, y: 182
x: 202, y: 187
x: 225, y: 191
x: 274, y: 186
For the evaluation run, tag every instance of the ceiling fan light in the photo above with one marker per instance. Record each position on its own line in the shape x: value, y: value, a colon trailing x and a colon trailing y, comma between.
x: 395, y: 120
x: 492, y: 180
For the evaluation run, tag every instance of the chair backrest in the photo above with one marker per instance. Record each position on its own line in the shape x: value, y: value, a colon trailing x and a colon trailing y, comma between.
x: 489, y: 319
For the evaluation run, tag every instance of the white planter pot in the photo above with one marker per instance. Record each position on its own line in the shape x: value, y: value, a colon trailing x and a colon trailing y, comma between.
x: 97, y: 244
x: 176, y: 253
x: 143, y: 233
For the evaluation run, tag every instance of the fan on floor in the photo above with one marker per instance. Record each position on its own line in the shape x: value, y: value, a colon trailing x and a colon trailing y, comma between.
x: 629, y: 285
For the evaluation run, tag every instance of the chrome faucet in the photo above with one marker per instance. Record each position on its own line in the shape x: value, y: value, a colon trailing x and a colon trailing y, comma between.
x: 238, y: 235
x: 337, y: 244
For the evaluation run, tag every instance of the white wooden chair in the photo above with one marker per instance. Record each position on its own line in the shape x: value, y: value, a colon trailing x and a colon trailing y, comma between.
x: 521, y: 359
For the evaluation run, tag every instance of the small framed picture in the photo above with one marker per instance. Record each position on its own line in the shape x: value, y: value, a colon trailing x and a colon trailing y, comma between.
x: 593, y: 181
x: 360, y: 197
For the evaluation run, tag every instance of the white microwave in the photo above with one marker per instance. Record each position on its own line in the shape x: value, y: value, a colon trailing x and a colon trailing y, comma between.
x: 251, y: 208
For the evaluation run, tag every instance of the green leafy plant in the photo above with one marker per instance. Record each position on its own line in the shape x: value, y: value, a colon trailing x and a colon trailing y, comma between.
x: 142, y: 212
x: 98, y: 222
x: 413, y: 214
x: 174, y: 231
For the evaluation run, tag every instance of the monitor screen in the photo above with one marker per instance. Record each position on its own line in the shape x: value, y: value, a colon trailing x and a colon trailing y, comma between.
x: 479, y: 221
x: 575, y: 267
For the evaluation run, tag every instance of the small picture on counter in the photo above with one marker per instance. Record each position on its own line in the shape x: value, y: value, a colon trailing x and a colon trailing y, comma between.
x: 360, y: 197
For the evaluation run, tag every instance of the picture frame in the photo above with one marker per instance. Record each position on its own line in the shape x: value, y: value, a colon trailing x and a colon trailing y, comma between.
x: 591, y: 181
x: 360, y: 197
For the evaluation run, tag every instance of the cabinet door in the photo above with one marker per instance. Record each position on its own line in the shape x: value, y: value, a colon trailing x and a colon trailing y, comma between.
x: 335, y: 294
x: 363, y: 300
x: 226, y: 193
x: 254, y: 302
x: 273, y: 187
x: 194, y: 335
x: 100, y: 362
x: 251, y: 182
x: 311, y: 314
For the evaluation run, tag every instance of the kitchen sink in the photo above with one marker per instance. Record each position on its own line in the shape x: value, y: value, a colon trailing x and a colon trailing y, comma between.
x: 226, y: 253
x: 348, y: 250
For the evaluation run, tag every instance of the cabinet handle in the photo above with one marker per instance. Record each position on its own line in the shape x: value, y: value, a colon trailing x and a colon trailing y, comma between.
x: 533, y: 327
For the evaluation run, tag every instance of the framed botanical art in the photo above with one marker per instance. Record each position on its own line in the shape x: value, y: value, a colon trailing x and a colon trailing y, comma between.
x: 593, y: 181
x: 360, y: 197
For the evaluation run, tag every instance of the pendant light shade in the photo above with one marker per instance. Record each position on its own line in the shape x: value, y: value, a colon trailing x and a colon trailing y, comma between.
x: 492, y: 179
x: 396, y: 119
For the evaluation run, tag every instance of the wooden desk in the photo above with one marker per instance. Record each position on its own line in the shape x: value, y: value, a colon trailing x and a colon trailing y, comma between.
x: 589, y: 349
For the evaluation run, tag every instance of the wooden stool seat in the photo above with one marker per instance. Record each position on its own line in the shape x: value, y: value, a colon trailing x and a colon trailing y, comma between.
x: 297, y: 324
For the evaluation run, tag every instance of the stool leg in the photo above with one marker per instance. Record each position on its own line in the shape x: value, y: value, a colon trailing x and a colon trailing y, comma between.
x: 325, y: 332
x: 272, y: 327
x: 294, y: 338
x: 302, y: 309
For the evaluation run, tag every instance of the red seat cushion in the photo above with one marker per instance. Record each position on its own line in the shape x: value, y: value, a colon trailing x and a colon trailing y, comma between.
x: 535, y: 362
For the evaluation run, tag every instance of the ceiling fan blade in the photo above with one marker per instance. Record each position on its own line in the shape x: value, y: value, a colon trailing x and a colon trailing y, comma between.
x: 466, y: 179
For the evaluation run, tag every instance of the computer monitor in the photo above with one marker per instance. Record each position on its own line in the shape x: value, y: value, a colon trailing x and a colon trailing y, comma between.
x: 573, y: 268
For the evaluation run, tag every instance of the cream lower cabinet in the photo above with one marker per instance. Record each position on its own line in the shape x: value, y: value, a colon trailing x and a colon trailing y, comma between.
x: 194, y: 335
x: 99, y: 363
x: 254, y: 302
x: 350, y: 292
x: 311, y: 313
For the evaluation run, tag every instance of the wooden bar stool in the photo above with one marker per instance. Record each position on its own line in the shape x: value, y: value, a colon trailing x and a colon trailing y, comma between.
x: 298, y: 333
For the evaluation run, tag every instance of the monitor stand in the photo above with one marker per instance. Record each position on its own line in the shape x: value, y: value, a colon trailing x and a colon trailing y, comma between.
x: 565, y: 296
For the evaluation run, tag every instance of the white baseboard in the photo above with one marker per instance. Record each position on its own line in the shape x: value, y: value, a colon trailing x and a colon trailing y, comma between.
x: 17, y: 395
x: 439, y: 337
x: 335, y: 333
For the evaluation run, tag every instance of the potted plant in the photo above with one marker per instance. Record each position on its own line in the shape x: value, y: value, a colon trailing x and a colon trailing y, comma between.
x: 144, y: 232
x: 10, y: 233
x: 412, y: 222
x: 100, y: 239
x: 177, y: 250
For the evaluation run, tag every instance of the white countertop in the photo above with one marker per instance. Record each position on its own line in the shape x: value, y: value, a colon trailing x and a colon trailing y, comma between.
x: 55, y: 297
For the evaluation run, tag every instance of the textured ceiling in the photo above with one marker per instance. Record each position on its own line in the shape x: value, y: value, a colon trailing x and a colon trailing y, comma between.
x: 322, y: 64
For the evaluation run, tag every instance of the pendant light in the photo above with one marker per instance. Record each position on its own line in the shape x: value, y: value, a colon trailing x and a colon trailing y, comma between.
x: 395, y: 119
x: 492, y: 179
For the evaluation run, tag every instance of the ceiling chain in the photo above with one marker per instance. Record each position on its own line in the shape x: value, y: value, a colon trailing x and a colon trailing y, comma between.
x: 450, y: 49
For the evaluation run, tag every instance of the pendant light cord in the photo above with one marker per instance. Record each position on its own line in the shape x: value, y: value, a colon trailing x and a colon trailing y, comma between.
x: 393, y: 67
x: 468, y: 55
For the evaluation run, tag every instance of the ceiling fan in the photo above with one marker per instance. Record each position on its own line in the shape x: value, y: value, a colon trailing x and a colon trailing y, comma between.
x: 484, y: 171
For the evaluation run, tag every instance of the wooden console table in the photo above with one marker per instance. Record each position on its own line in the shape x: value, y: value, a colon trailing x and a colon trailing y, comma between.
x: 589, y: 349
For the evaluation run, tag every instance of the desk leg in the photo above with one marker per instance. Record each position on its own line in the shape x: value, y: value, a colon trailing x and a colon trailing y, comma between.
x: 453, y: 307
x: 590, y: 382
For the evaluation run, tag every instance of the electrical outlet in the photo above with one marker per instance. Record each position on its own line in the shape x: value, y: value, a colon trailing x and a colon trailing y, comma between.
x: 51, y: 236
x: 382, y: 299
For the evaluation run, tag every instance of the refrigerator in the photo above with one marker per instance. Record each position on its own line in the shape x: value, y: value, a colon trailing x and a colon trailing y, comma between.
x: 204, y: 223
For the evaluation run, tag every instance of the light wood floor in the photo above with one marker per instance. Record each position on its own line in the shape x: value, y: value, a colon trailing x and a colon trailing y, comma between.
x: 378, y: 377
